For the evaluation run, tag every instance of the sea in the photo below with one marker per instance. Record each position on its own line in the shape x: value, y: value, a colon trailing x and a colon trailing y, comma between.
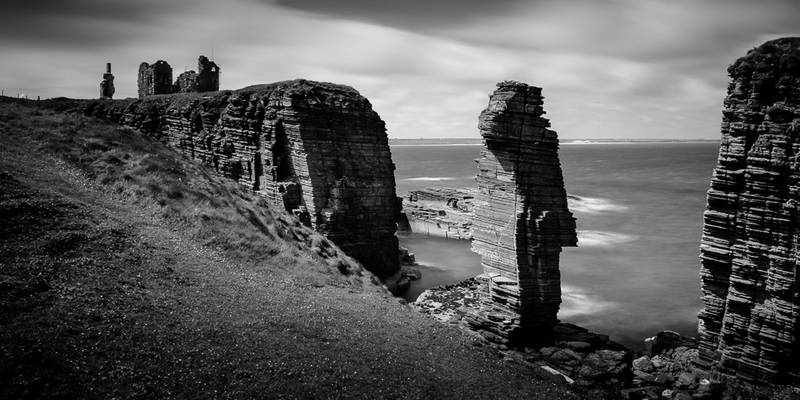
x: 639, y: 208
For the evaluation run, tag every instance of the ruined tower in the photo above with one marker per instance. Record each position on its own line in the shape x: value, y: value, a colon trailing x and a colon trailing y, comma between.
x: 521, y: 218
x: 155, y: 78
x: 107, y: 84
x: 207, y: 75
x: 750, y: 250
x: 205, y: 80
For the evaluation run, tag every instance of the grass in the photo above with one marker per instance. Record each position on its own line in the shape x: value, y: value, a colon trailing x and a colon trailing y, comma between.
x: 129, y: 272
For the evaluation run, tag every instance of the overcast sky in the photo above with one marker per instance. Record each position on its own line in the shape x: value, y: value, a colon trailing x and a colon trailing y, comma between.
x: 608, y: 69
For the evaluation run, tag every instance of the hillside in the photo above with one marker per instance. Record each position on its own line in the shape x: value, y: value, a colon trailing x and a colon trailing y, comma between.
x: 127, y: 271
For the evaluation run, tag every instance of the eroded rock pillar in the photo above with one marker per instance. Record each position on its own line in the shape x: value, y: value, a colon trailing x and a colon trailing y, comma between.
x: 521, y: 218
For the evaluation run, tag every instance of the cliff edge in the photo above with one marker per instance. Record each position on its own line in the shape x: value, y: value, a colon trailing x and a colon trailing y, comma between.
x: 316, y: 149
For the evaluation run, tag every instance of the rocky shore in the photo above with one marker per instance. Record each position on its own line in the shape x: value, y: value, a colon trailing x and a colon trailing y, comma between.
x: 596, y: 365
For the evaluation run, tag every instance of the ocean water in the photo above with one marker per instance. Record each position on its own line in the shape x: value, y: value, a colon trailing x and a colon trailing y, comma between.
x: 639, y: 214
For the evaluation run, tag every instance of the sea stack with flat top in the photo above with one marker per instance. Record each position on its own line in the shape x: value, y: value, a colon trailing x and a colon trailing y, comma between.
x: 521, y: 219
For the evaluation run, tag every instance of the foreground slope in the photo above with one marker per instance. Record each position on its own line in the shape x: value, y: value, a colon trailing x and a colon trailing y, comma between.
x: 129, y: 272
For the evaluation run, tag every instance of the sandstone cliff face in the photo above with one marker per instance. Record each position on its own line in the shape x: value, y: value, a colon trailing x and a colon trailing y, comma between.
x: 521, y: 217
x: 751, y: 235
x: 316, y: 149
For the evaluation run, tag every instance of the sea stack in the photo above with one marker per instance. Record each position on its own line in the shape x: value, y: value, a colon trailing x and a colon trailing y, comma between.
x: 751, y: 235
x: 521, y: 219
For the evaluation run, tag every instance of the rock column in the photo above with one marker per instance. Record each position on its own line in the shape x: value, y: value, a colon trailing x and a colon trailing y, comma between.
x: 521, y: 218
x: 751, y: 234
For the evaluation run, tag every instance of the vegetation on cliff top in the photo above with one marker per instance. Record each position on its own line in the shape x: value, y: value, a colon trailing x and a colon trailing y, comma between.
x: 773, y: 69
x: 129, y: 272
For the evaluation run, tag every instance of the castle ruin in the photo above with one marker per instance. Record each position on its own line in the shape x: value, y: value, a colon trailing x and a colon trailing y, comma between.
x: 157, y: 78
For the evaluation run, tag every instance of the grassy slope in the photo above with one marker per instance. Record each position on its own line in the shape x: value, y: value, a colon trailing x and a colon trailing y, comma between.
x: 128, y: 272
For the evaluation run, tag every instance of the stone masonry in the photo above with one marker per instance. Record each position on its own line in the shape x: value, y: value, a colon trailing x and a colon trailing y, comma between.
x: 107, y: 84
x: 751, y: 235
x: 155, y: 78
x: 521, y: 219
x: 316, y: 149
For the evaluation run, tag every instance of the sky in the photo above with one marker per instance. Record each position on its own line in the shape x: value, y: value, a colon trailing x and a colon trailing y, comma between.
x: 609, y: 69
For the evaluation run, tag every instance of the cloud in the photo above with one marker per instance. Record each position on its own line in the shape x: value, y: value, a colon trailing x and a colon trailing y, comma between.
x: 623, y: 68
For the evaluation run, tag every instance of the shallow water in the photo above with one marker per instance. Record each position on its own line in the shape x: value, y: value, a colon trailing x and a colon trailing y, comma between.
x: 639, y: 212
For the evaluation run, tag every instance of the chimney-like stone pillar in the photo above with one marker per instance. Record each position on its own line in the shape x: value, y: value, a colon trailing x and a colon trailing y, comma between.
x: 107, y: 84
x: 521, y: 218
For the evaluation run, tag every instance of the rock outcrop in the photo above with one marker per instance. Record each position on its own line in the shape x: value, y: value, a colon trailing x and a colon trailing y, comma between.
x: 750, y: 250
x: 521, y: 220
x: 316, y: 149
x: 442, y: 212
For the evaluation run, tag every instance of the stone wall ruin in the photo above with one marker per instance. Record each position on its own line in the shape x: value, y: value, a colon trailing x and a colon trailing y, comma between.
x: 157, y: 78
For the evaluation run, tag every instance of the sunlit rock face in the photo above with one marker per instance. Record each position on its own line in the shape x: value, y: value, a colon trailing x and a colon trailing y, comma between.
x: 316, y: 149
x: 521, y: 218
x: 751, y: 234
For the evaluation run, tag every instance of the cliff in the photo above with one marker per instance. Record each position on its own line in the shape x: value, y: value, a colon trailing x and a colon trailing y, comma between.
x: 751, y: 234
x: 521, y: 218
x: 316, y: 149
x: 128, y: 271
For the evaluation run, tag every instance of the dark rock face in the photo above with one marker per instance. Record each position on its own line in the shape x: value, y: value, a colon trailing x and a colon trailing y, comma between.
x: 107, y: 84
x: 155, y: 79
x: 521, y: 218
x: 751, y: 235
x: 316, y: 149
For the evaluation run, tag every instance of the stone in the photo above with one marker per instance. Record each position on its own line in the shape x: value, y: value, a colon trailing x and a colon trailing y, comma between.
x: 659, y: 362
x: 751, y: 236
x: 604, y: 364
x: 682, y: 396
x: 686, y: 379
x: 578, y: 346
x: 317, y: 150
x: 643, y: 363
x: 521, y: 219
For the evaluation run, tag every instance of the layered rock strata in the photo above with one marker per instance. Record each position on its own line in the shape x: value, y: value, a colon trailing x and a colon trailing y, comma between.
x: 442, y: 212
x: 751, y: 236
x: 316, y: 149
x: 521, y: 220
